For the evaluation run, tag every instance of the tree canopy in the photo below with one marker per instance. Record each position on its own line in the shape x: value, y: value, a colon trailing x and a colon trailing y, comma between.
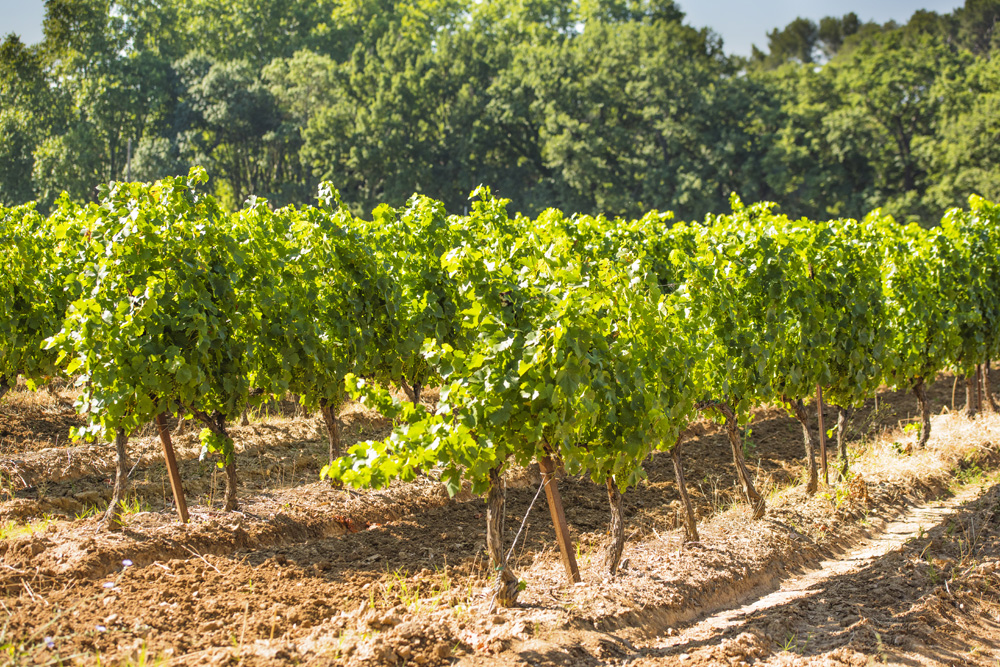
x: 596, y: 106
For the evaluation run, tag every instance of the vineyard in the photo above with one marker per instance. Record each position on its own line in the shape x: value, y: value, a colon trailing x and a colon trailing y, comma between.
x: 596, y: 362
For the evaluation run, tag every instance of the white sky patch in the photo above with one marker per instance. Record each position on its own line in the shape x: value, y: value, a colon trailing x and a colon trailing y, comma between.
x: 740, y: 23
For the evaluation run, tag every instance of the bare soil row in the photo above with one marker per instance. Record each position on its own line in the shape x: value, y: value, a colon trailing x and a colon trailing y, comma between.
x: 309, y: 573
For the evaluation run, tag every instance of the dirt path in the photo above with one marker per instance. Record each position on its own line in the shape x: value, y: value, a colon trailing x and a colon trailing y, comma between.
x: 818, y: 593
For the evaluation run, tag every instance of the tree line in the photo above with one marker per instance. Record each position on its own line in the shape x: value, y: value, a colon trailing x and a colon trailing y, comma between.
x: 595, y: 106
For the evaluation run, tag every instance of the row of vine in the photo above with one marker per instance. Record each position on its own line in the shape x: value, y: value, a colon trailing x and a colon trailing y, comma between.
x: 587, y: 341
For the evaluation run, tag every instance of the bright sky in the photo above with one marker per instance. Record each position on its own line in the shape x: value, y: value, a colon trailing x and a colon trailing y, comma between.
x: 742, y: 23
x: 739, y: 22
x: 23, y: 17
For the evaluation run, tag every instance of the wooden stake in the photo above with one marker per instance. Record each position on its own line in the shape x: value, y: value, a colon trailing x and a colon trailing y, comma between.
x: 822, y: 435
x: 171, y: 460
x: 559, y: 519
x: 979, y: 388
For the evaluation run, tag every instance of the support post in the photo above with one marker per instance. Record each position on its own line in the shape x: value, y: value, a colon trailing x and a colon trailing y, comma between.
x: 559, y: 519
x: 979, y: 389
x: 172, y: 472
x: 822, y: 435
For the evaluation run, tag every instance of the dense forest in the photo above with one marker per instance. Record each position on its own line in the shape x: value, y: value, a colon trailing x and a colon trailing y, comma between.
x: 596, y: 106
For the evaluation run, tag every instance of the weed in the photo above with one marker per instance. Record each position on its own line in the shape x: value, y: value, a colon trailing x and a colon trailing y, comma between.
x: 12, y: 529
x: 143, y: 659
x: 400, y: 588
x: 883, y: 655
x: 774, y: 489
x: 89, y: 511
x: 133, y: 505
x: 585, y: 551
x: 837, y: 496
x: 338, y: 652
x: 970, y: 473
x: 12, y: 651
x: 7, y: 485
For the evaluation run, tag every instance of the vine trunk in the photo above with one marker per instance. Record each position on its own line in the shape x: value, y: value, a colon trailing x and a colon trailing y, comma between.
x: 690, y: 524
x: 113, y: 516
x: 613, y: 553
x: 507, y: 583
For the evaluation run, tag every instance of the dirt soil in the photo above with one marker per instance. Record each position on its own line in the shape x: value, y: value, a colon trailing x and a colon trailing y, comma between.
x: 305, y: 573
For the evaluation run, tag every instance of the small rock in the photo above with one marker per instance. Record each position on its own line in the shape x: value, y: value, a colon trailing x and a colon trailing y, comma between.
x: 210, y: 626
x: 497, y: 619
x: 111, y: 619
x: 442, y: 651
x: 36, y: 546
x: 91, y: 497
x: 404, y: 652
x: 408, y: 629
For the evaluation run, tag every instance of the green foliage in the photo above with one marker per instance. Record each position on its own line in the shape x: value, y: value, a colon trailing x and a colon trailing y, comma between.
x: 922, y: 296
x: 35, y: 287
x: 846, y: 264
x: 159, y: 322
x: 588, y: 339
x: 962, y: 157
x: 568, y: 353
x: 596, y: 340
x: 410, y: 244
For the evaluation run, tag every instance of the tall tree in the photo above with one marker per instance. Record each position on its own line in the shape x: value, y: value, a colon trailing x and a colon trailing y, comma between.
x: 620, y: 110
x: 115, y: 91
x: 30, y: 110
x: 963, y: 155
x: 887, y: 83
x: 236, y: 128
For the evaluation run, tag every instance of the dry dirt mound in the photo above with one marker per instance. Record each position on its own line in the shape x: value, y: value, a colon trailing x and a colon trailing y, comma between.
x: 312, y: 574
x: 863, y: 604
